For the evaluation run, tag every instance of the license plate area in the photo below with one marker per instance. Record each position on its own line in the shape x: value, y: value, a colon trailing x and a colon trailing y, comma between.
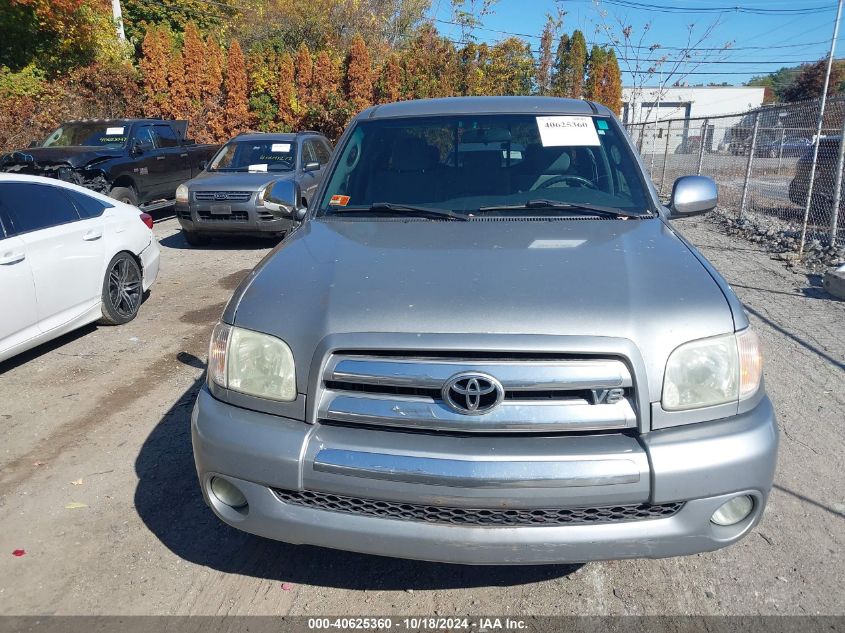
x: 221, y: 209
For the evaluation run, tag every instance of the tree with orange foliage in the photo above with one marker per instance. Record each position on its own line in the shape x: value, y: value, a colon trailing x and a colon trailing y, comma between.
x: 154, y: 66
x: 210, y: 124
x: 286, y: 94
x: 193, y: 61
x: 389, y: 84
x: 304, y: 75
x: 359, y: 75
x: 327, y: 112
x: 178, y: 106
x: 611, y: 91
x: 237, y: 104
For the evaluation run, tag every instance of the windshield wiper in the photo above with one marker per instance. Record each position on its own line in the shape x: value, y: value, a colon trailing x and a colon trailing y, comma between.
x: 403, y: 209
x: 583, y: 208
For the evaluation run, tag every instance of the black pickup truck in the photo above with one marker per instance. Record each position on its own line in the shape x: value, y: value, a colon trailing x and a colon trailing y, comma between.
x: 139, y: 161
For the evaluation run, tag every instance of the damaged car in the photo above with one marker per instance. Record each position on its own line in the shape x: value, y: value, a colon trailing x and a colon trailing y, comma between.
x: 136, y: 161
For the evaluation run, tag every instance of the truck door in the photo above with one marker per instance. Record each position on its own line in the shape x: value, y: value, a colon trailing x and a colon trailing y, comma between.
x: 174, y: 157
x: 148, y: 172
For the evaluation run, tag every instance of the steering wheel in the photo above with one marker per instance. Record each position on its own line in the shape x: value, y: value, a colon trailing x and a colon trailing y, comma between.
x: 583, y: 182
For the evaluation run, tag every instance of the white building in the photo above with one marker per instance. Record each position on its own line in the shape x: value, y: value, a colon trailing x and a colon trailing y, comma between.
x: 640, y: 105
x: 677, y: 119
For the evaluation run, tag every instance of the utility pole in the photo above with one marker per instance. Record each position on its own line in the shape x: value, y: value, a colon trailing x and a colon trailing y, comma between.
x: 819, y: 123
x: 117, y: 16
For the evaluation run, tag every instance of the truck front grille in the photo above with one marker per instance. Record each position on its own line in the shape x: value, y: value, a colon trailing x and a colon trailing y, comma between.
x: 483, y: 517
x: 222, y: 196
x: 538, y: 394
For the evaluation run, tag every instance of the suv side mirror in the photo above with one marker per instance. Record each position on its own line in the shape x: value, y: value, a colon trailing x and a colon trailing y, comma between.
x: 314, y: 166
x: 285, y: 197
x: 693, y: 195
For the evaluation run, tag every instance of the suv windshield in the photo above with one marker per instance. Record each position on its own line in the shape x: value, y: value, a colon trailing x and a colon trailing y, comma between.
x: 106, y: 134
x: 255, y: 156
x: 501, y: 164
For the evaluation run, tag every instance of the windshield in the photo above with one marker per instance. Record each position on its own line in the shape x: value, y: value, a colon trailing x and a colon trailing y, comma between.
x: 481, y: 163
x: 88, y: 134
x: 255, y: 156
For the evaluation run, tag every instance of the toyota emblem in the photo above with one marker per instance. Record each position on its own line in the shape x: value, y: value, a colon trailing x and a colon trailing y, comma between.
x: 472, y: 393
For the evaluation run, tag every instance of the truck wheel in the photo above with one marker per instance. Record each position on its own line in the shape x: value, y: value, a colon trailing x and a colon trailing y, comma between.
x: 122, y: 290
x: 195, y: 239
x: 124, y: 194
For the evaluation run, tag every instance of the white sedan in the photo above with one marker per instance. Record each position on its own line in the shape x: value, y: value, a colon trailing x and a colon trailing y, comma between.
x: 68, y: 257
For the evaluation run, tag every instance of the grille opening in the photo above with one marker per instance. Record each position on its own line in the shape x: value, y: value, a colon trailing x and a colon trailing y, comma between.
x: 230, y: 196
x: 482, y: 517
x: 234, y: 216
x: 359, y: 426
x: 434, y: 394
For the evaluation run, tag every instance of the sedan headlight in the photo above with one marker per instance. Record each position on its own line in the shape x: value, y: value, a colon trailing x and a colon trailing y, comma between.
x: 252, y: 363
x: 713, y: 371
x: 182, y: 193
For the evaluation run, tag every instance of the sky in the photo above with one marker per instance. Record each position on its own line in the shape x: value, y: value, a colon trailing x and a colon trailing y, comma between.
x: 782, y: 32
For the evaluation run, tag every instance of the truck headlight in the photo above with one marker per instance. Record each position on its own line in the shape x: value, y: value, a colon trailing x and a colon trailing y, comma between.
x: 182, y: 193
x: 252, y: 363
x: 712, y: 371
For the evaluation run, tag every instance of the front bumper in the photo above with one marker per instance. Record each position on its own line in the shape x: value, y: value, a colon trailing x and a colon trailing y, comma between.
x: 702, y: 465
x: 150, y: 258
x: 245, y: 218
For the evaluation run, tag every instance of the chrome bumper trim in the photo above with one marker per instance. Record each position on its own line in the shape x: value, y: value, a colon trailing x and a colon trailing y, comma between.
x: 477, y: 474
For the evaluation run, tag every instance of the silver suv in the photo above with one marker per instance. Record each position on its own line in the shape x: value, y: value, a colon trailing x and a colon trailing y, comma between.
x: 486, y: 344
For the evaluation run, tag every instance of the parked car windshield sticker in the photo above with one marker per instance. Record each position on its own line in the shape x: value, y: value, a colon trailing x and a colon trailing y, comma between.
x: 258, y: 168
x: 556, y: 131
x: 115, y: 131
x: 339, y: 201
x: 282, y: 148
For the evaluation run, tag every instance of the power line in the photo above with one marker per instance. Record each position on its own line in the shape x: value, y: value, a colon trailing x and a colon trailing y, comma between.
x: 631, y: 4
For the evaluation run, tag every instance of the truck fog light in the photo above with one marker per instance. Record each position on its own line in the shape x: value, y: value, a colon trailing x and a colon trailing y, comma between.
x: 733, y: 511
x: 227, y: 493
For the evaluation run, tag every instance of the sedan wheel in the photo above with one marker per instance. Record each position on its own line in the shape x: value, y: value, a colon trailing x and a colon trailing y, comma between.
x: 122, y: 289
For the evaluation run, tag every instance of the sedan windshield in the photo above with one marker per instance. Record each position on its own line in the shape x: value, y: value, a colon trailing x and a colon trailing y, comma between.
x: 98, y: 134
x: 487, y: 164
x: 255, y: 156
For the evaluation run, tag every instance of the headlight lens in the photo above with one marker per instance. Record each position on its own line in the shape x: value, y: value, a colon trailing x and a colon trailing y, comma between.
x: 182, y: 193
x: 252, y: 363
x: 712, y: 371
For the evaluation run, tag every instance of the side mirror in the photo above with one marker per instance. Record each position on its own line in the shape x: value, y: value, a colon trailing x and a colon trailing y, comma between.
x: 693, y: 195
x: 137, y: 148
x: 311, y: 166
x: 33, y: 144
x: 203, y: 165
x: 285, y: 197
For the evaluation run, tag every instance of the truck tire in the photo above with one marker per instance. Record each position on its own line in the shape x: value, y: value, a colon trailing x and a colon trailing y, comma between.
x: 195, y: 239
x: 122, y: 290
x: 124, y: 194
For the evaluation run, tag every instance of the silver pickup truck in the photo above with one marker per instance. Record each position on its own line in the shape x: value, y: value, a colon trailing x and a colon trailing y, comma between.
x: 486, y: 344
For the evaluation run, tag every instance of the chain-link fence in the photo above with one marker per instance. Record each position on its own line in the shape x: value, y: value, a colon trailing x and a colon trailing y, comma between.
x: 762, y: 161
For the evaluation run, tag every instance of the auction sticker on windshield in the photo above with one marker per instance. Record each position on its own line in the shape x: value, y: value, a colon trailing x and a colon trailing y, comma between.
x: 557, y: 131
x: 282, y: 148
x: 338, y: 200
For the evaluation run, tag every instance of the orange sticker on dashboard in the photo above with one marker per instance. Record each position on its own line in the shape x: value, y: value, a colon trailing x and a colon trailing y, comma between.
x: 339, y: 201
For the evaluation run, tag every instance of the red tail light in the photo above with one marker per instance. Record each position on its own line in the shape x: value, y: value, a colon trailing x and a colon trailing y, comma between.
x: 147, y: 219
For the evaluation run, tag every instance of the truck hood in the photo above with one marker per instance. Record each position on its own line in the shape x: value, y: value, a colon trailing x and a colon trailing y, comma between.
x: 76, y: 156
x: 632, y: 279
x: 235, y: 181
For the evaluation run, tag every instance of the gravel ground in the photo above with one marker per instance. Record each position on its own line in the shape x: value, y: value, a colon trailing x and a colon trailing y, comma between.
x: 97, y: 482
